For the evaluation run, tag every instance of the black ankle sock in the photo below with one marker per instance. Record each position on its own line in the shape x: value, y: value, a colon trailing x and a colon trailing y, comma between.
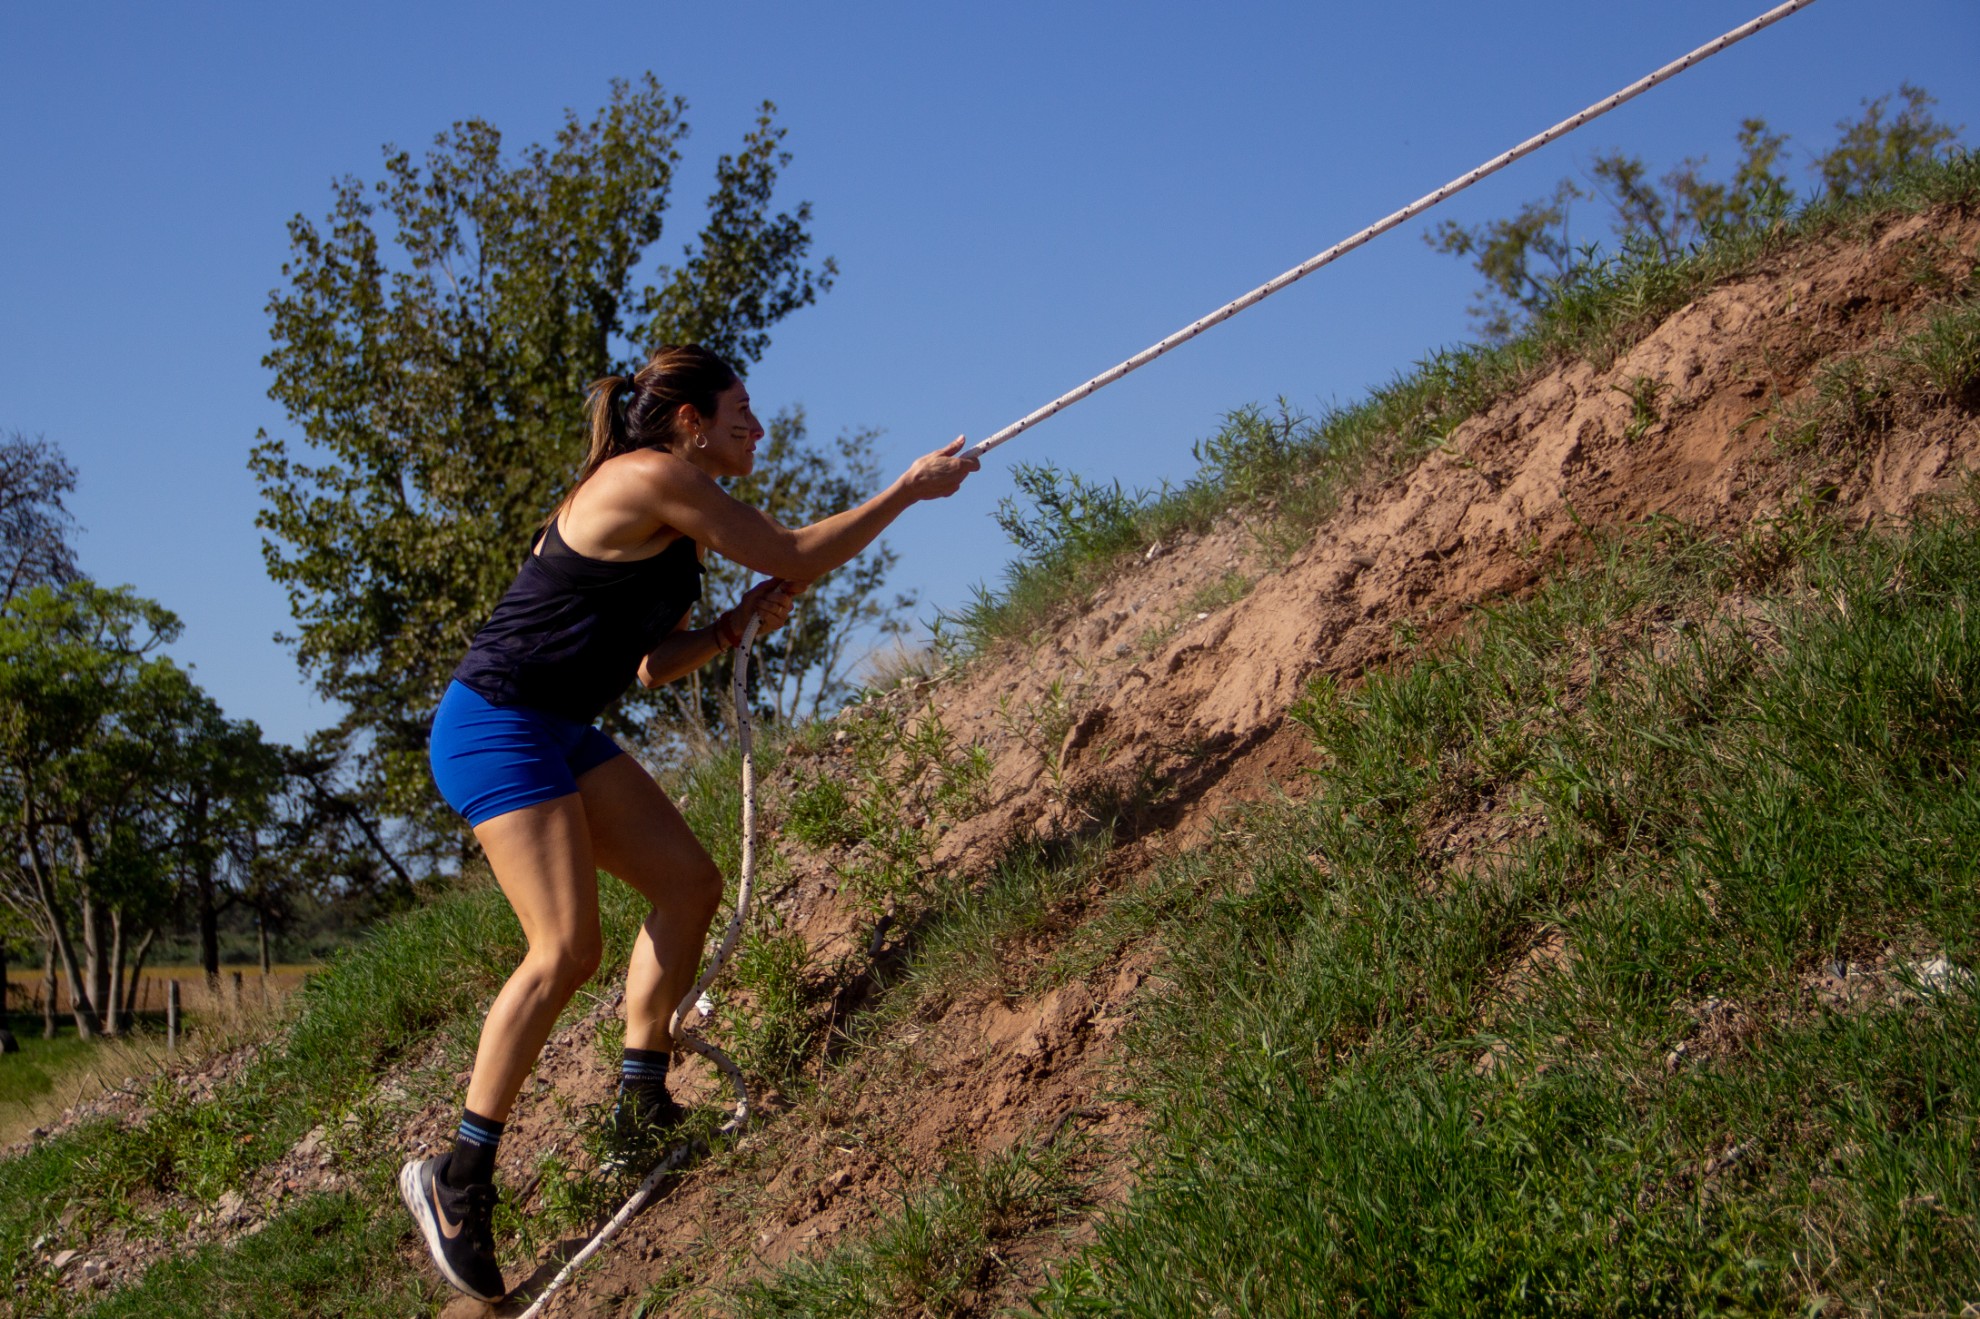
x: 643, y: 1075
x: 474, y: 1150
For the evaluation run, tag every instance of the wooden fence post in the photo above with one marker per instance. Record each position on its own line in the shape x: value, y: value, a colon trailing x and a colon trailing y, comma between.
x: 171, y: 1016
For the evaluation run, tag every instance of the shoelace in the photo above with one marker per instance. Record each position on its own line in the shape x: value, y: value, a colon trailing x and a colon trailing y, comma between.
x: 478, y: 1206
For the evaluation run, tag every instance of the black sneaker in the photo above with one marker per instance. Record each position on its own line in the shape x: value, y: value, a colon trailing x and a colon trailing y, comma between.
x: 458, y: 1226
x: 636, y: 1129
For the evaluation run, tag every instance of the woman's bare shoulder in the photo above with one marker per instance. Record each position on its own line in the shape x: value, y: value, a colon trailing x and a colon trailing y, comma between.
x: 651, y: 467
x: 646, y: 475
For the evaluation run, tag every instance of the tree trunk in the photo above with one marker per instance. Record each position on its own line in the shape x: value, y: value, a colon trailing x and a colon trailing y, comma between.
x: 82, y: 1004
x: 261, y: 929
x: 113, y: 992
x: 208, y: 909
x: 96, y: 938
x: 96, y: 966
x: 59, y: 942
x: 137, y: 973
x: 48, y: 991
x: 7, y: 1044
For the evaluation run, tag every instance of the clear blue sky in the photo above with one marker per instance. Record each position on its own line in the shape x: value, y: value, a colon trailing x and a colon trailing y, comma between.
x: 1018, y: 196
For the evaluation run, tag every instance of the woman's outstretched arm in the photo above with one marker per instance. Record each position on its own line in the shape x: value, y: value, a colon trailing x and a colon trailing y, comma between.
x: 677, y: 494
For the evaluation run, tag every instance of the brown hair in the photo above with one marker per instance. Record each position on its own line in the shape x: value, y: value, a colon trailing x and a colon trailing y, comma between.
x: 652, y: 398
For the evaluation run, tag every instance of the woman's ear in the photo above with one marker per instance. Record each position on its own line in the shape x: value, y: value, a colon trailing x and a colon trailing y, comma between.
x: 688, y: 421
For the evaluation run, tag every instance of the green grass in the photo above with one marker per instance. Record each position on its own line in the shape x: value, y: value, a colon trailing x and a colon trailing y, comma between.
x: 1701, y: 809
x: 1946, y: 355
x: 990, y: 937
x: 335, y: 1254
x: 416, y: 976
x: 32, y: 1072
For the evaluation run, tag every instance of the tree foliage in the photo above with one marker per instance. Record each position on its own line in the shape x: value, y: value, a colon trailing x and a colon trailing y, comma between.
x: 1526, y: 258
x: 105, y: 747
x: 1872, y: 150
x: 34, y: 523
x: 432, y: 346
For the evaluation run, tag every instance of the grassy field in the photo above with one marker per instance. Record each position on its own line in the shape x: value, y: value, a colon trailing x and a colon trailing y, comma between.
x: 238, y: 985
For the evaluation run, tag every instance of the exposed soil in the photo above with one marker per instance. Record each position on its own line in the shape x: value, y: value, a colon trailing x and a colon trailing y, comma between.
x: 1145, y: 708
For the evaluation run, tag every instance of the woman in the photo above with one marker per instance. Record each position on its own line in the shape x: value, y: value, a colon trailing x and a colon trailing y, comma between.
x: 600, y: 601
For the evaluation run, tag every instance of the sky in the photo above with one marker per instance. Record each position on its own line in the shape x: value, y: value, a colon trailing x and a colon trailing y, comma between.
x: 1017, y: 196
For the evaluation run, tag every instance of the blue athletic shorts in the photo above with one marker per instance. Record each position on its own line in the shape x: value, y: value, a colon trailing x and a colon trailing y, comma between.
x: 492, y: 759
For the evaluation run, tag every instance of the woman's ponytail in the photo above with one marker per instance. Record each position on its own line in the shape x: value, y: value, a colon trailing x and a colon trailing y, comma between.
x: 611, y: 397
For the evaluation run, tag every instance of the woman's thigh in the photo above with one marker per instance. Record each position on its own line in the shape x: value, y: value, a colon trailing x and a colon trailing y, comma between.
x: 542, y: 858
x: 639, y: 836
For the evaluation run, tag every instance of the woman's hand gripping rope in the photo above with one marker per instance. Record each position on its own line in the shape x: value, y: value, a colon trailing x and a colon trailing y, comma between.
x: 768, y: 603
x: 763, y: 607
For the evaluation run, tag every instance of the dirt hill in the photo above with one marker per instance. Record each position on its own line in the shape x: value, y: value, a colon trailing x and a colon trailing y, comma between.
x: 1131, y: 729
x: 1142, y: 697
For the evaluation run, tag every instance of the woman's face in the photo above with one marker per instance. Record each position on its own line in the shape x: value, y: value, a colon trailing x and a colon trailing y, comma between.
x: 732, y: 433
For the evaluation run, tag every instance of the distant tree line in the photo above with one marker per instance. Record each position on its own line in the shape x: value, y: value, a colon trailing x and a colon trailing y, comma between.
x: 1527, y: 258
x: 128, y: 802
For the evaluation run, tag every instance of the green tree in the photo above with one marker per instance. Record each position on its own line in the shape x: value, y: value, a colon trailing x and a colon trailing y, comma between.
x: 1521, y: 258
x: 321, y: 850
x: 214, y: 798
x: 1690, y: 207
x: 1525, y: 260
x: 34, y: 549
x: 1872, y: 151
x: 99, y: 736
x: 432, y: 346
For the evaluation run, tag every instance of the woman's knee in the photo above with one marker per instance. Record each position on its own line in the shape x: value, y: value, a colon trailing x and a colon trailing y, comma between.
x: 701, y: 888
x: 689, y: 893
x: 566, y: 965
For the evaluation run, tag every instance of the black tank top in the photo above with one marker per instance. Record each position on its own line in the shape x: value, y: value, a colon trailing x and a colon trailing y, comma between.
x: 568, y: 636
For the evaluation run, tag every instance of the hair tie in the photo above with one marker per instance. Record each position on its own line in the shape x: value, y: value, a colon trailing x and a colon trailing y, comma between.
x: 630, y: 383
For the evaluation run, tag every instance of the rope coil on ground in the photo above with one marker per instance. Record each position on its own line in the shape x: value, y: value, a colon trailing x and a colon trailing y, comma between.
x: 681, y: 1024
x: 680, y: 1021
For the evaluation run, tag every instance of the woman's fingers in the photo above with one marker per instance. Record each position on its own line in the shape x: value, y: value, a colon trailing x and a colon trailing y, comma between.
x: 771, y: 601
x: 941, y: 473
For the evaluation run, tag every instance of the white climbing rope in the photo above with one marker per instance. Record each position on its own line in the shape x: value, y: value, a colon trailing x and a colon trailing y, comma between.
x: 1415, y: 208
x: 681, y: 1024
